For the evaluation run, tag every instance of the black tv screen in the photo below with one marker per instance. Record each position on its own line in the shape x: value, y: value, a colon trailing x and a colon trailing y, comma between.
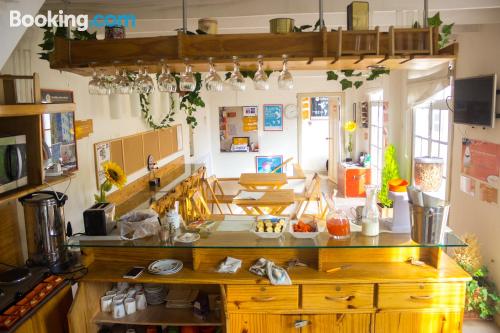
x: 474, y: 102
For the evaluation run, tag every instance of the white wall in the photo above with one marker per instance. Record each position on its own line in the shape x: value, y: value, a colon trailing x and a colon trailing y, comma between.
x: 271, y: 143
x: 113, y: 117
x: 479, y: 53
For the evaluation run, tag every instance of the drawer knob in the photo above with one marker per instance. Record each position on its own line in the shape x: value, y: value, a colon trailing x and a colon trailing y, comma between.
x: 421, y: 297
x: 339, y: 298
x: 263, y: 299
x: 301, y: 323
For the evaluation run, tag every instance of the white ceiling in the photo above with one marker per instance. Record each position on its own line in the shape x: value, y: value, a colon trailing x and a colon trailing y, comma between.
x: 169, y: 9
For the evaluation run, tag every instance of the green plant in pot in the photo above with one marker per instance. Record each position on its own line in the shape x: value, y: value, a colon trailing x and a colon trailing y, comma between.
x: 481, y: 296
x: 390, y: 171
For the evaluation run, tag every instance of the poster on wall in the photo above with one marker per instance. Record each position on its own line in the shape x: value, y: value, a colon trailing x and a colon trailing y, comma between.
x: 250, y: 111
x: 468, y: 185
x: 319, y: 108
x: 273, y: 117
x: 102, y: 154
x: 266, y: 164
x: 481, y: 161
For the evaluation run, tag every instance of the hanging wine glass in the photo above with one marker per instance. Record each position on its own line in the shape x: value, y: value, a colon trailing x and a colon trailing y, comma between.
x: 121, y: 83
x: 237, y: 80
x: 213, y: 81
x: 166, y: 81
x: 94, y: 83
x: 143, y: 84
x: 260, y: 79
x: 285, y: 80
x: 103, y: 86
x: 187, y: 81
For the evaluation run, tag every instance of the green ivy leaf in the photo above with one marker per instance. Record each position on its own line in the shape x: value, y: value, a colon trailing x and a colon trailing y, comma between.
x: 447, y: 28
x: 358, y: 84
x: 227, y: 75
x: 346, y: 84
x: 200, y: 32
x: 434, y: 21
x: 331, y: 75
x: 317, y: 25
x: 350, y: 72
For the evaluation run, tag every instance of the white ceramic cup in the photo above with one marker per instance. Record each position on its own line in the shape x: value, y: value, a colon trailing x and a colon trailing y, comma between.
x: 122, y: 286
x: 106, y: 303
x: 131, y: 293
x: 119, y: 298
x: 118, y: 309
x: 111, y: 293
x: 130, y: 306
x: 140, y: 299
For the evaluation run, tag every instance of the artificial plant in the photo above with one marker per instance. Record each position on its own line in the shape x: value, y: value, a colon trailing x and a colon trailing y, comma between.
x: 390, y: 171
x: 356, y: 76
x: 50, y: 33
x: 445, y: 30
x: 481, y: 295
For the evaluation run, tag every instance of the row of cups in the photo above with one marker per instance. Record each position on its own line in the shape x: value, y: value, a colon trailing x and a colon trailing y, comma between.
x: 124, y: 300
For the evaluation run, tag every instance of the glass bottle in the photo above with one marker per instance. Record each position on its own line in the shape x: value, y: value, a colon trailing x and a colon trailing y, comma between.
x: 370, y: 217
x: 337, y: 224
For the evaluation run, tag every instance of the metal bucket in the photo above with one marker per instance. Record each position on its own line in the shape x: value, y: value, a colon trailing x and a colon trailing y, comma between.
x: 428, y: 223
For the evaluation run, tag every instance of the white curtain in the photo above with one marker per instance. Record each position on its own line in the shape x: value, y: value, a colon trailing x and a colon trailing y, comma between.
x: 423, y: 84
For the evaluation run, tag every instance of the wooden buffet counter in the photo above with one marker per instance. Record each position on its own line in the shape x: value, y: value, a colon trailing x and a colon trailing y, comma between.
x: 378, y: 290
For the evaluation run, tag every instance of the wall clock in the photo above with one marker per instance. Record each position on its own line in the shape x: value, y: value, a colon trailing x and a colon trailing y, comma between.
x: 291, y: 111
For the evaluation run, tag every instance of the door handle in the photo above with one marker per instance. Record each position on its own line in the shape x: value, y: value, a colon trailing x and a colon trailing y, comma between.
x: 263, y: 299
x: 421, y: 298
x: 301, y: 323
x: 328, y: 138
x: 339, y: 298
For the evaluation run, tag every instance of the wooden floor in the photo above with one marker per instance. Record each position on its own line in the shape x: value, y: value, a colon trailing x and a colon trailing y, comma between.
x: 480, y: 326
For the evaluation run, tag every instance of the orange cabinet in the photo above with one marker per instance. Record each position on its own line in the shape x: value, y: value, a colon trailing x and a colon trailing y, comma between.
x: 352, y: 180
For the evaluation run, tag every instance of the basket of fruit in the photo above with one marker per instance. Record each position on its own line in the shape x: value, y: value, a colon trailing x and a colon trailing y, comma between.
x: 269, y: 226
x: 306, y: 228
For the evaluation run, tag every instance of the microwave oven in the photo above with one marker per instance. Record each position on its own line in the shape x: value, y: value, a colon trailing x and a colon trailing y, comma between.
x: 13, y: 163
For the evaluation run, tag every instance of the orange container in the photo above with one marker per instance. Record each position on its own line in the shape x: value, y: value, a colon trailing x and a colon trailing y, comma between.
x: 397, y: 185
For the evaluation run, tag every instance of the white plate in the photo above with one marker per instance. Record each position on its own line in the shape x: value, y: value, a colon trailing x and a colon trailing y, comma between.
x: 188, y: 237
x: 165, y: 267
x: 269, y: 234
x: 305, y: 235
x: 493, y: 180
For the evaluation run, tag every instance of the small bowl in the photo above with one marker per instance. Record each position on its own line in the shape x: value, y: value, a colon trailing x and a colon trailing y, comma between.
x: 397, y: 185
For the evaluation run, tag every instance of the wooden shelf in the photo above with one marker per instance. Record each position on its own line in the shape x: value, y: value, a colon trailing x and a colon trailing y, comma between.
x: 20, y: 192
x: 16, y: 110
x: 159, y: 315
x: 306, y: 50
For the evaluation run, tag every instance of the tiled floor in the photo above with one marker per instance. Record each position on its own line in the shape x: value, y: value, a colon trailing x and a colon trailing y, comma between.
x: 480, y: 326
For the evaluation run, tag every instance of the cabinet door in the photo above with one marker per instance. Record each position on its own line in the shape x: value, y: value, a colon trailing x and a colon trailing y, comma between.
x: 262, y: 323
x: 338, y: 323
x: 419, y: 322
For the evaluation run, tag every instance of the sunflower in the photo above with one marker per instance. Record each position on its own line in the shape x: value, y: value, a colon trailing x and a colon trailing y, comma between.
x: 114, y: 174
x: 350, y: 126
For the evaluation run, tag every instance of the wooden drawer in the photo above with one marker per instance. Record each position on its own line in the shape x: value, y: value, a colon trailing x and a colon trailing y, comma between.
x: 421, y: 295
x: 262, y: 297
x: 337, y: 297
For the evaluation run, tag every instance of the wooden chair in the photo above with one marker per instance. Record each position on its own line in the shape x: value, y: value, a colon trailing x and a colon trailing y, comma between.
x: 199, y: 207
x: 212, y: 185
x: 282, y: 165
x: 312, y: 193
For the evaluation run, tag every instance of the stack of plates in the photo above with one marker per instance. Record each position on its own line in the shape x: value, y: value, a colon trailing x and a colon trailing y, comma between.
x: 155, y: 293
x: 165, y: 266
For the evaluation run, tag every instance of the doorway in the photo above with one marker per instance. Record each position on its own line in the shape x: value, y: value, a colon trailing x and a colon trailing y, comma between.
x: 318, y: 132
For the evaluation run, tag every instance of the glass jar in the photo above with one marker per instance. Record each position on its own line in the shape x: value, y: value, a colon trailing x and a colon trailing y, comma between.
x: 428, y: 173
x: 337, y: 224
x: 370, y: 217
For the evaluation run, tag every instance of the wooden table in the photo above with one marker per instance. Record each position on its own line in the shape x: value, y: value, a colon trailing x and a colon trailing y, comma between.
x: 273, y: 202
x: 252, y: 181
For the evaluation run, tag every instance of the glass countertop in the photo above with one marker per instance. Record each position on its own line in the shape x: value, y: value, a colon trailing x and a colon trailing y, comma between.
x: 247, y: 239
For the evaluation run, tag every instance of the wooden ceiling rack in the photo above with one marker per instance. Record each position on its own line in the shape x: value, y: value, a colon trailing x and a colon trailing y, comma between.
x: 324, y: 50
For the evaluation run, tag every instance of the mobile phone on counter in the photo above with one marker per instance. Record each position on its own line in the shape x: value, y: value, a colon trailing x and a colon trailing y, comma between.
x: 134, y: 272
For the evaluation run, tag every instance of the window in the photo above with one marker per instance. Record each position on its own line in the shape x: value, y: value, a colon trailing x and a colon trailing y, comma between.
x: 376, y: 136
x: 430, y: 132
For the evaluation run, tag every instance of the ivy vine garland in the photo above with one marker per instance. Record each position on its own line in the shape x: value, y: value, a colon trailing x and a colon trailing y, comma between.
x: 349, y: 73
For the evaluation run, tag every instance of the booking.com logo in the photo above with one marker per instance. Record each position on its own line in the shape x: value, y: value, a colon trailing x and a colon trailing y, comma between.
x: 81, y: 22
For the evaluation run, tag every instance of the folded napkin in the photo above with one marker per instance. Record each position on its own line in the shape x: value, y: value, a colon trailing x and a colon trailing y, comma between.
x: 244, y: 195
x: 276, y: 274
x: 229, y: 265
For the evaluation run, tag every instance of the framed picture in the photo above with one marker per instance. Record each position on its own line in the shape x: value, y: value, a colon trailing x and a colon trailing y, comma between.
x: 273, y: 117
x: 53, y: 96
x: 320, y: 108
x: 266, y: 164
x: 250, y: 111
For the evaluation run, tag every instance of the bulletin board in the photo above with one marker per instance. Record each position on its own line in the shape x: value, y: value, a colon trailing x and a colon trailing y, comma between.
x: 131, y: 152
x: 238, y: 129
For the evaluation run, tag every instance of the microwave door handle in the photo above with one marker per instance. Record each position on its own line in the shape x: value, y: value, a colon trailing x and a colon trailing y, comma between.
x: 12, y: 165
x: 20, y: 166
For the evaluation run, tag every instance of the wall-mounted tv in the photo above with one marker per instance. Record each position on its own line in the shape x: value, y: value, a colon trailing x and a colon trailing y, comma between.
x: 475, y: 99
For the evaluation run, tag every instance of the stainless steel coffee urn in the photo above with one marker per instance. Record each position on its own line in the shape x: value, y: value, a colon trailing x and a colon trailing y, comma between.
x: 45, y: 229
